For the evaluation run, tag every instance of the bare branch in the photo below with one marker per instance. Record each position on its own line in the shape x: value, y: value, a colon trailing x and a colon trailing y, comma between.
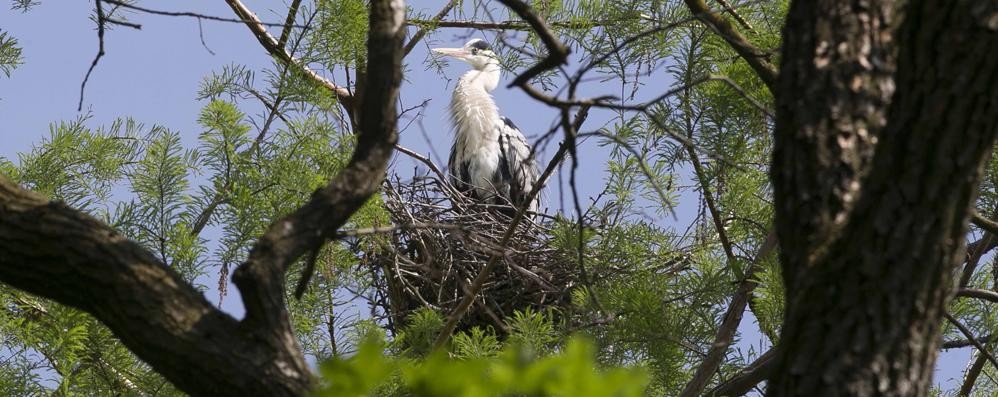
x: 416, y: 37
x: 972, y: 373
x: 393, y: 228
x: 756, y: 58
x: 752, y: 375
x: 984, y: 223
x: 272, y: 46
x: 956, y: 344
x: 732, y: 318
x: 504, y: 25
x: 731, y: 10
x: 122, y: 4
x: 260, y: 279
x: 557, y: 52
x: 970, y: 336
x: 100, y: 51
x: 979, y: 294
x: 289, y: 22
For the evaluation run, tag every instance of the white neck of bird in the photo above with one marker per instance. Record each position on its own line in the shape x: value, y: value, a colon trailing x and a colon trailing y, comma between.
x: 486, y: 78
x: 473, y: 111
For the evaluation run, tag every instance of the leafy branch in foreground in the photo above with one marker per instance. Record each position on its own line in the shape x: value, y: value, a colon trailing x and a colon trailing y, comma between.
x: 571, y: 372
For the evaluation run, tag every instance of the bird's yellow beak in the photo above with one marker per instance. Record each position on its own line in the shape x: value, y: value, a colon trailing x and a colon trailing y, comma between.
x: 459, y: 53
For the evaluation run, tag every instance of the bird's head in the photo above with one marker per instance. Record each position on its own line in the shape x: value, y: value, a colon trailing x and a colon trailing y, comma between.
x: 476, y: 53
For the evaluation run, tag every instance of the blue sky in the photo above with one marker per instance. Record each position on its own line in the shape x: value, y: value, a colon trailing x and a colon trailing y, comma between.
x: 152, y: 75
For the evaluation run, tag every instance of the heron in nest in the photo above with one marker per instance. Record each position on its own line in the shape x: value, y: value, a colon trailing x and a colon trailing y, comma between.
x: 490, y: 160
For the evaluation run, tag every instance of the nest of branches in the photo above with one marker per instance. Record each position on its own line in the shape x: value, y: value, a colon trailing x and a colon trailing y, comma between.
x: 442, y: 240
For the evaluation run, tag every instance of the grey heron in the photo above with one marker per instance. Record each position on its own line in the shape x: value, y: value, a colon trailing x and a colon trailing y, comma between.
x: 490, y: 159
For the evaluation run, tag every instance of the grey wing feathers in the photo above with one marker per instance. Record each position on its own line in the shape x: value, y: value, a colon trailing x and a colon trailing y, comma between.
x: 517, y: 165
x: 459, y: 172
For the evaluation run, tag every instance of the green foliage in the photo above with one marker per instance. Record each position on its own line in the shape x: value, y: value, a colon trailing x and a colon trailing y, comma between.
x: 533, y: 332
x: 416, y: 339
x: 769, y: 297
x: 571, y: 372
x: 341, y: 36
x: 10, y: 53
x: 476, y: 343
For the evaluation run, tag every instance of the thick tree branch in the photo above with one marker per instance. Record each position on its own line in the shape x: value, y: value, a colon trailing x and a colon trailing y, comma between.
x: 261, y: 279
x: 972, y: 373
x: 744, y: 381
x: 51, y: 250
x: 984, y: 223
x: 977, y: 250
x: 956, y: 344
x: 984, y: 294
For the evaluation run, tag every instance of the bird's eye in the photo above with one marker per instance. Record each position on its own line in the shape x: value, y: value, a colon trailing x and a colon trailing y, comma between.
x: 474, y: 51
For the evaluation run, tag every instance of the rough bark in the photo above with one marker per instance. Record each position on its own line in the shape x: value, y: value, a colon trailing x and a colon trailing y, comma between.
x: 51, y: 250
x: 870, y: 241
x: 836, y: 79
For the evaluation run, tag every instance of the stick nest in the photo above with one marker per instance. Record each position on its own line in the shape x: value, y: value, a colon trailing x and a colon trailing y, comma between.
x: 442, y: 241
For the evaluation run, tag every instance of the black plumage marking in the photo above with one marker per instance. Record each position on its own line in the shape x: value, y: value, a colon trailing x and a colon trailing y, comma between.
x: 480, y: 44
x: 460, y: 174
x: 509, y: 123
x: 503, y: 173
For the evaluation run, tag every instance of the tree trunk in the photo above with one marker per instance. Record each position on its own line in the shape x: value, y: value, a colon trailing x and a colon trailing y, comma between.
x: 875, y: 170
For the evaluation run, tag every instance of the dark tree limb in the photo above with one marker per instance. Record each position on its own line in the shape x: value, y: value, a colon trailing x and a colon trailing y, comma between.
x: 729, y: 325
x: 984, y: 223
x: 51, y: 250
x: 289, y: 23
x: 416, y: 37
x: 756, y: 58
x: 54, y: 251
x: 977, y: 250
x: 970, y: 337
x: 973, y: 372
x: 956, y: 344
x: 744, y: 381
x: 330, y: 207
x: 557, y: 51
x: 984, y: 294
x: 269, y: 43
x: 100, y: 51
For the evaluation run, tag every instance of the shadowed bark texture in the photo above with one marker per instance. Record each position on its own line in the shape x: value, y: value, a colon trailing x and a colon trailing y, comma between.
x: 874, y: 175
x: 54, y: 251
